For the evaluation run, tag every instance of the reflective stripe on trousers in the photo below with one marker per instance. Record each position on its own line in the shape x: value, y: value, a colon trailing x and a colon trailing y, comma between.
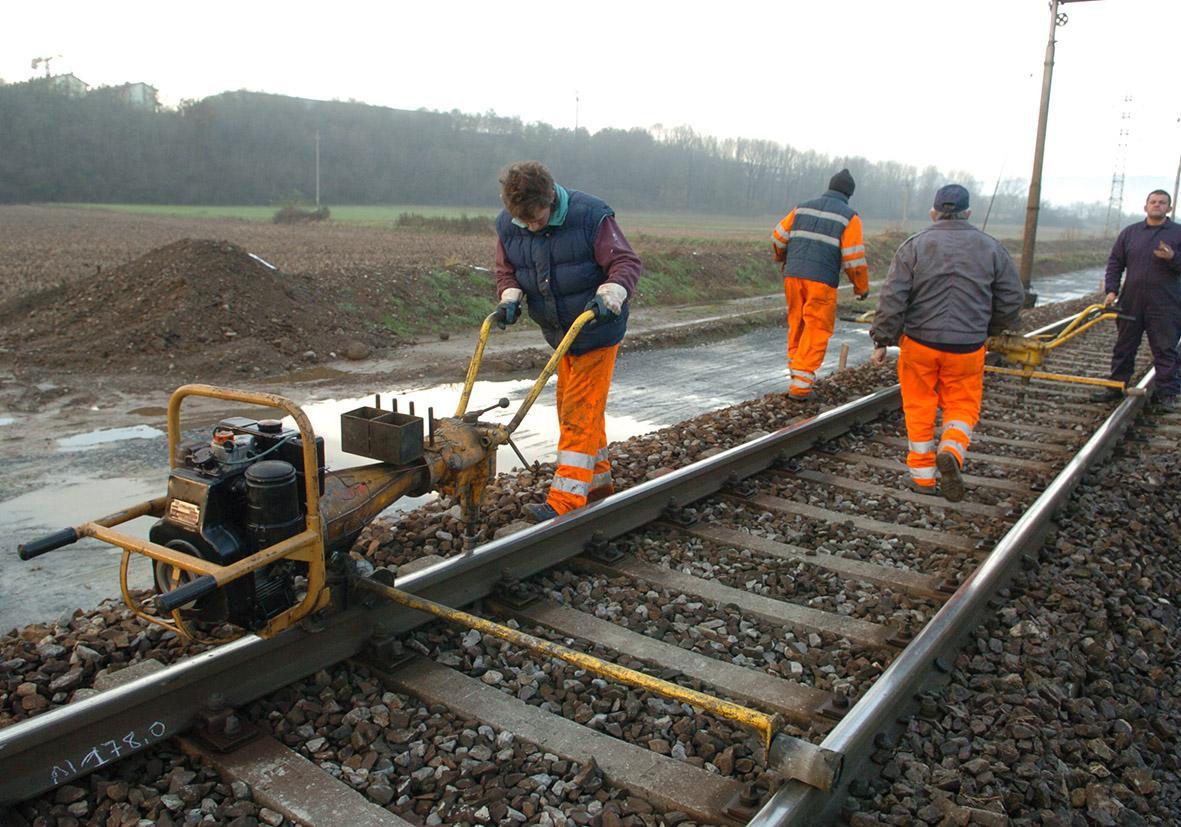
x: 584, y: 471
x: 811, y: 315
x: 957, y: 435
x: 932, y: 380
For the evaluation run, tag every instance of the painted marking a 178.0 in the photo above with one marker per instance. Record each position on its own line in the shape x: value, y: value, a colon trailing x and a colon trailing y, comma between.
x: 106, y: 751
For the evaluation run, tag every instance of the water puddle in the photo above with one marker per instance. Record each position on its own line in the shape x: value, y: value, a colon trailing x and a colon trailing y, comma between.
x: 149, y: 410
x: 1067, y: 286
x: 92, y: 439
x: 75, y: 502
x: 7, y: 420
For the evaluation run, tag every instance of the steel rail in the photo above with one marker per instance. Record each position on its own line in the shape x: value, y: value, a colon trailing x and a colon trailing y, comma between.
x: 65, y: 743
x: 877, y: 712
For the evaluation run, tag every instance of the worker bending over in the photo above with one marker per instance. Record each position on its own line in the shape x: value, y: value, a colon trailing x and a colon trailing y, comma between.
x: 563, y: 252
x: 949, y: 287
x: 814, y: 243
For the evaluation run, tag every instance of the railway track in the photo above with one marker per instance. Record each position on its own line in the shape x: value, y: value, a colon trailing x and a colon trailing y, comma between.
x: 793, y: 573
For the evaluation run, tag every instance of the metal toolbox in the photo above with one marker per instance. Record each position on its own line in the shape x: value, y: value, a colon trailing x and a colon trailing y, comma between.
x: 387, y: 436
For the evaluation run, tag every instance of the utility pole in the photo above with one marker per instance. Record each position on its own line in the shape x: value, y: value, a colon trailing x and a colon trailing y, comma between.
x: 1176, y: 183
x: 317, y: 169
x: 1035, y: 179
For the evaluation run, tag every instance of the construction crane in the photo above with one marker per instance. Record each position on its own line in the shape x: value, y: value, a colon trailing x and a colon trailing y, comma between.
x: 44, y: 61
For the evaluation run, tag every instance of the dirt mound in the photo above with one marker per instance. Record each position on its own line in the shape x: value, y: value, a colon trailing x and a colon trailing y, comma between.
x: 204, y: 308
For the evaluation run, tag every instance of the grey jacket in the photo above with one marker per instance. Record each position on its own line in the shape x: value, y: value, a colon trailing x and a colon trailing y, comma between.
x: 950, y: 284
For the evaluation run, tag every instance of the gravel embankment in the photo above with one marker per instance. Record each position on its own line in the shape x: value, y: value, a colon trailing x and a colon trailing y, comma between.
x: 1065, y: 706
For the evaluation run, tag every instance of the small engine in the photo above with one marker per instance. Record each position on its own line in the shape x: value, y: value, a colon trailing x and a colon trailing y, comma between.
x: 230, y: 496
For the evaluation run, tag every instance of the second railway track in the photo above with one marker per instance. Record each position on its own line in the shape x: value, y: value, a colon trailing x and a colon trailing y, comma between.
x: 793, y: 573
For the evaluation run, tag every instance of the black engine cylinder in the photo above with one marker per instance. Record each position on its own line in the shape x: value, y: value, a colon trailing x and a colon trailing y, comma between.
x: 273, y: 510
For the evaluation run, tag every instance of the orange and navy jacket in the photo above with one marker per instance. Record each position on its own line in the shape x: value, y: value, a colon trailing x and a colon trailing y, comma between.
x: 819, y: 239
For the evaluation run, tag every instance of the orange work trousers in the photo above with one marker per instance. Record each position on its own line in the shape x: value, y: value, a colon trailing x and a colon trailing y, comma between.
x: 584, y: 473
x: 933, y: 380
x: 811, y: 315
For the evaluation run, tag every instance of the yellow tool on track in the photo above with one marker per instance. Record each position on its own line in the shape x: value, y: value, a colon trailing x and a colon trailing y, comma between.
x: 1029, y: 352
x: 254, y: 529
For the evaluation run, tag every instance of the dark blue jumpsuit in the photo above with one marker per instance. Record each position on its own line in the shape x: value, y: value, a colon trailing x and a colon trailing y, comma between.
x: 1152, y: 296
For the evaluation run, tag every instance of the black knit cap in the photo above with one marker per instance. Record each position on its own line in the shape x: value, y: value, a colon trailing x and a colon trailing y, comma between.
x: 842, y: 182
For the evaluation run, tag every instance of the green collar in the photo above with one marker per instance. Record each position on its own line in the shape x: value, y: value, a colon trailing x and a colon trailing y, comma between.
x: 557, y: 216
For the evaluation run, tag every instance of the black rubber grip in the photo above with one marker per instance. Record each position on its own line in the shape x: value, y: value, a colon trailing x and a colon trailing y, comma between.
x: 203, y: 585
x: 48, y: 543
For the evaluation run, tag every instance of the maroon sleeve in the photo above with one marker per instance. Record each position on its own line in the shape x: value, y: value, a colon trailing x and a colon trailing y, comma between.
x: 617, y: 258
x: 506, y: 274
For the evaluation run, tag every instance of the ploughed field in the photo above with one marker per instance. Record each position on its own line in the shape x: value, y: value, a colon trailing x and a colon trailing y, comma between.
x: 112, y: 294
x: 109, y: 292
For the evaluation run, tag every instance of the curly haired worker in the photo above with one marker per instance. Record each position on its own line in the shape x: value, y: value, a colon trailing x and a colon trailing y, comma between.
x: 563, y: 252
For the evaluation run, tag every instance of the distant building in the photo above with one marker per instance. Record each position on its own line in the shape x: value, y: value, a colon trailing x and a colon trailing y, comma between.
x: 69, y: 85
x: 139, y: 95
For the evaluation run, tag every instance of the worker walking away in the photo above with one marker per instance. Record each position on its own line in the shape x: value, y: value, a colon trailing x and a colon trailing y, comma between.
x: 1150, y: 301
x: 949, y: 287
x: 563, y: 252
x: 814, y: 243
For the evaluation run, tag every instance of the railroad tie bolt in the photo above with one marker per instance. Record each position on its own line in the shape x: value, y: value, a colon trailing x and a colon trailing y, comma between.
x: 749, y: 796
x: 233, y: 725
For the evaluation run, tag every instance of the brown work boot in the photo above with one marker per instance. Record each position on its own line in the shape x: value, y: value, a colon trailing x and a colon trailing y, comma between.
x: 920, y: 489
x: 951, y: 482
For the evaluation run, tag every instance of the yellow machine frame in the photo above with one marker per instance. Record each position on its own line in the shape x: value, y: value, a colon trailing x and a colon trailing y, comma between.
x: 1030, y: 351
x: 308, y: 546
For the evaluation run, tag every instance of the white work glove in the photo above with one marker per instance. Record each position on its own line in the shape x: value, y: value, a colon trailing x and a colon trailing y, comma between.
x: 612, y: 297
x: 509, y: 308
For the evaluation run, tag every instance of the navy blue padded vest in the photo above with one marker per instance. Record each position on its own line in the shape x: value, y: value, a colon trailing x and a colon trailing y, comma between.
x: 556, y: 268
x: 814, y: 249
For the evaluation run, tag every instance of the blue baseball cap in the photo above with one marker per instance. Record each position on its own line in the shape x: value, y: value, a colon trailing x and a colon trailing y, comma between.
x: 951, y: 198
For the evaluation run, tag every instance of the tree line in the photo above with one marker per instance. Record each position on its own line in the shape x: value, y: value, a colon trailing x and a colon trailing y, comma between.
x: 254, y: 148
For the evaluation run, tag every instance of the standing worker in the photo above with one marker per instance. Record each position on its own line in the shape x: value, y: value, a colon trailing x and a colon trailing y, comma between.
x: 814, y: 243
x: 949, y: 287
x: 563, y: 252
x: 1151, y: 299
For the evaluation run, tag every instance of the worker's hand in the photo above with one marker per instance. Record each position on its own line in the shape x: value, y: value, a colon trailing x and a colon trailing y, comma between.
x: 509, y: 309
x: 1109, y: 300
x: 608, y: 301
x: 878, y: 357
x: 862, y: 296
x: 1163, y: 251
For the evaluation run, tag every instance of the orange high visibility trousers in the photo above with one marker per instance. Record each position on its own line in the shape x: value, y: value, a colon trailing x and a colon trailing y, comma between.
x: 933, y: 380
x: 811, y: 315
x: 584, y: 472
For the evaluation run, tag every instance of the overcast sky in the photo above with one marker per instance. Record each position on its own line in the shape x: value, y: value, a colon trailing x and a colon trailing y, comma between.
x: 945, y: 82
